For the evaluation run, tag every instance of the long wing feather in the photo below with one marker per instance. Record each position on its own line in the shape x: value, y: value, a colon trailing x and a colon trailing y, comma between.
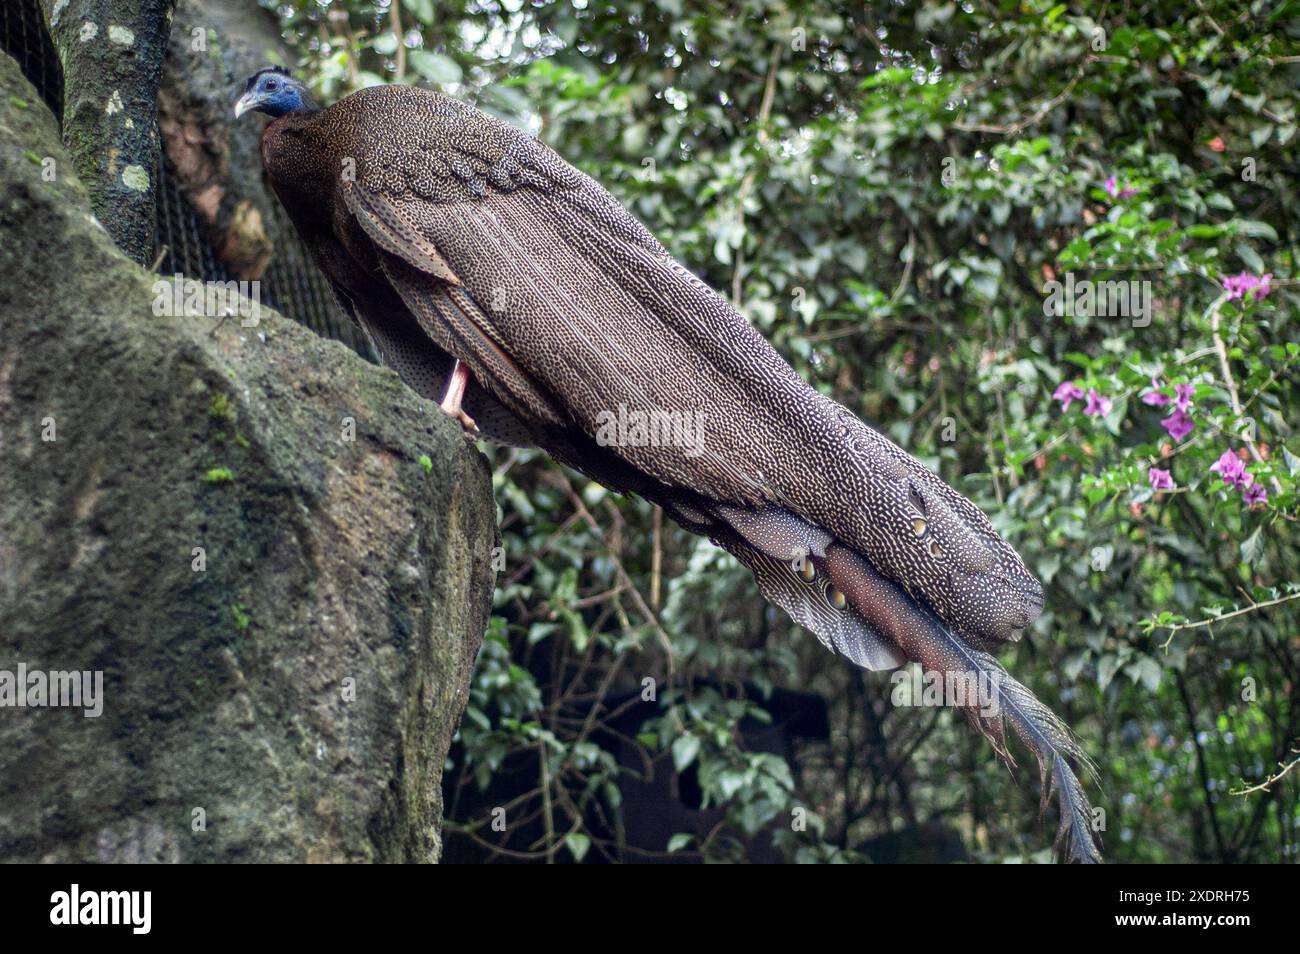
x: 593, y: 312
x: 879, y: 626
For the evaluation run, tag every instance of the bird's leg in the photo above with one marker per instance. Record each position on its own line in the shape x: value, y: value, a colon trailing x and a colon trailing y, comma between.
x: 455, y: 394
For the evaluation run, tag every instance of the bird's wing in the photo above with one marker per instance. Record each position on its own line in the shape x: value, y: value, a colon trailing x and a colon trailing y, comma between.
x: 426, y: 368
x: 567, y: 309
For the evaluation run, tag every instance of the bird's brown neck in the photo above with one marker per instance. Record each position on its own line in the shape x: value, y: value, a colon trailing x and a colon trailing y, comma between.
x: 298, y: 168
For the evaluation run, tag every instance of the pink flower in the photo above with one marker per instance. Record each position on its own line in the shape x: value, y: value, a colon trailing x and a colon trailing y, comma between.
x: 1154, y: 396
x: 1179, y: 425
x: 1245, y: 283
x: 1066, y: 392
x: 1182, y: 395
x: 1160, y: 479
x: 1230, y: 468
x: 1253, y: 493
x: 1097, y: 406
x: 1113, y: 190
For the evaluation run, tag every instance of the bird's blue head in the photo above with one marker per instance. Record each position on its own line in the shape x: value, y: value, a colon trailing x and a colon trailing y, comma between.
x: 274, y: 92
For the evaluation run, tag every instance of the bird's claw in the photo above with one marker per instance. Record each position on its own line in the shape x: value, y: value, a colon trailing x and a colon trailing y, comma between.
x: 466, y: 422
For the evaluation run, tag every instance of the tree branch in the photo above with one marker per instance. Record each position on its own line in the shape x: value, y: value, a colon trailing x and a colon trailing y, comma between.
x: 112, y: 54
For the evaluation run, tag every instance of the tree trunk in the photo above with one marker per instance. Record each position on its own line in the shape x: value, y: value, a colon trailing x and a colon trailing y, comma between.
x: 112, y: 54
x: 215, y: 46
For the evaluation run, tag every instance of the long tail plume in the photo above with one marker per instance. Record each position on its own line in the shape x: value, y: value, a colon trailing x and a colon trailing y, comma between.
x: 1051, y: 741
x: 924, y: 639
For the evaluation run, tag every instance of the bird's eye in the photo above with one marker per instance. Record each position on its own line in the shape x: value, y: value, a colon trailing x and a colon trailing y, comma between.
x: 271, y: 85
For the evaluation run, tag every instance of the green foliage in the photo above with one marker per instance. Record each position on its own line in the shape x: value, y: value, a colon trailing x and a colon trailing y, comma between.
x: 887, y: 191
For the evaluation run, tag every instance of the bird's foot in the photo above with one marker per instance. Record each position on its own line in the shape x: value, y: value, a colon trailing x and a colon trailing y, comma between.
x: 466, y: 422
x: 451, y: 401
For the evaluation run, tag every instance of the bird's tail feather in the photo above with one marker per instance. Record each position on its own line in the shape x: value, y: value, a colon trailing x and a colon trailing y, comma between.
x: 1053, y: 745
x: 856, y: 611
x: 1000, y: 699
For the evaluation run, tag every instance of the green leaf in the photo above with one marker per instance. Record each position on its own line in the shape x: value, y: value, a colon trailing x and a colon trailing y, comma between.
x: 985, y: 285
x: 685, y: 749
x: 679, y: 841
x: 1252, y: 548
x: 1106, y: 669
x: 1254, y: 229
x: 578, y: 844
x: 422, y: 10
x: 1292, y: 462
x: 435, y: 67
x: 1149, y: 673
x: 1250, y: 257
x: 731, y: 782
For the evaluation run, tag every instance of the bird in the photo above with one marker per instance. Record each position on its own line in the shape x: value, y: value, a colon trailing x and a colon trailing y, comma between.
x: 506, y: 284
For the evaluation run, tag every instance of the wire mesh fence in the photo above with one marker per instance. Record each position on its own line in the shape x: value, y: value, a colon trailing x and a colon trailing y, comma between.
x: 291, y: 285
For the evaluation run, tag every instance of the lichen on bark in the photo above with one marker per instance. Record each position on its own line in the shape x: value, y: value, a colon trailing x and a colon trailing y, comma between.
x: 112, y: 55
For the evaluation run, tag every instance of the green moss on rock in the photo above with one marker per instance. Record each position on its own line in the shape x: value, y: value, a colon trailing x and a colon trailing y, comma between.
x: 312, y: 545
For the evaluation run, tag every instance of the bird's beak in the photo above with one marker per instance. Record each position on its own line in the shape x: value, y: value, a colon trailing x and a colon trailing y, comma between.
x: 246, y: 102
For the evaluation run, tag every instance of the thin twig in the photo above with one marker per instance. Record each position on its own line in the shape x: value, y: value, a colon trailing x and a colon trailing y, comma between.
x: 399, y: 60
x: 747, y: 184
x: 907, y: 268
x: 624, y: 579
x: 1263, y: 786
x: 1176, y: 627
x: 1034, y: 118
x: 1231, y: 382
x: 656, y: 556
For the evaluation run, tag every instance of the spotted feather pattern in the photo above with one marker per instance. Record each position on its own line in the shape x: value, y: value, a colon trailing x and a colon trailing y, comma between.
x: 446, y: 225
x: 596, y: 314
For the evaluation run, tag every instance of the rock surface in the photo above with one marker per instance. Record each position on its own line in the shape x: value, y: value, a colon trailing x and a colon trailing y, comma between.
x: 277, y: 555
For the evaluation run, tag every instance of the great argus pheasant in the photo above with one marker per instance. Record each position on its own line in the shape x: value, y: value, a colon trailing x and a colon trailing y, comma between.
x: 501, y: 281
